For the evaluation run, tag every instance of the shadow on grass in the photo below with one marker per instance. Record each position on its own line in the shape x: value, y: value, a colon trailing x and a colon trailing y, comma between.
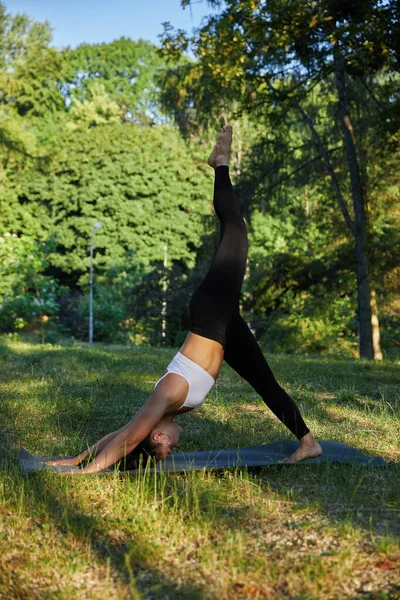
x: 46, y: 501
x: 86, y: 401
x: 69, y: 394
x: 346, y: 379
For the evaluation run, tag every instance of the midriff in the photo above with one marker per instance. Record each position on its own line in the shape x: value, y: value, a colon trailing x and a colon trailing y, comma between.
x: 207, y: 353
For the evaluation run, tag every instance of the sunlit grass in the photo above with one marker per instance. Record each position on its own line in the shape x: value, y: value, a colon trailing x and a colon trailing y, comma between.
x: 307, y: 531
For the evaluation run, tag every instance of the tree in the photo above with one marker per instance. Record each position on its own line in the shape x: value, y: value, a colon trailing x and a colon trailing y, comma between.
x: 27, y: 295
x: 97, y: 109
x: 128, y: 70
x: 32, y: 72
x: 270, y: 56
x: 32, y: 107
x: 145, y: 186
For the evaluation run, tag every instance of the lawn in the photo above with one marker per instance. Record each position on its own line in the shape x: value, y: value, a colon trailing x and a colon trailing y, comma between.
x: 300, y: 531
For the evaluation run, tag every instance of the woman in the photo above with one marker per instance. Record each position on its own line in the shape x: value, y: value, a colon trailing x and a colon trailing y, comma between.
x: 217, y: 333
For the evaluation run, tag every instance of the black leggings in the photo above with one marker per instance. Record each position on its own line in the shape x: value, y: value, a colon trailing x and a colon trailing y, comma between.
x: 214, y: 309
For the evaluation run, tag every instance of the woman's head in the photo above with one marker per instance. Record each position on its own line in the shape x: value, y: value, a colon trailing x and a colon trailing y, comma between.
x: 158, y: 444
x: 163, y: 438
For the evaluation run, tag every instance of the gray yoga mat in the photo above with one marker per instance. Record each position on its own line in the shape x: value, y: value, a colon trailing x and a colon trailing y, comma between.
x: 250, y: 456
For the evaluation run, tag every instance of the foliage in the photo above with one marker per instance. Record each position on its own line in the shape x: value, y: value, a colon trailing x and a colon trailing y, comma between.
x: 128, y: 304
x: 109, y: 314
x: 142, y: 185
x: 87, y: 135
x: 27, y: 295
x: 147, y: 298
x: 249, y: 47
x: 299, y: 292
x: 97, y: 109
x: 32, y: 72
x: 320, y: 77
x: 111, y: 298
x: 81, y: 161
x: 128, y: 72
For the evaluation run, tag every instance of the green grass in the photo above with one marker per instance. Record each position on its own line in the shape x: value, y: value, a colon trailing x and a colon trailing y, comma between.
x: 301, y: 532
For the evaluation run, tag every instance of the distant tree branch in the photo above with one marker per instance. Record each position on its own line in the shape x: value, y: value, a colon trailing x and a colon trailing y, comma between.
x: 328, y: 164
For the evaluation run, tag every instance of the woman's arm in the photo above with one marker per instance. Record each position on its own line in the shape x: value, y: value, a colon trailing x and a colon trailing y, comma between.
x: 122, y: 442
x: 127, y: 438
x: 166, y: 398
x: 92, y: 451
x: 97, y: 447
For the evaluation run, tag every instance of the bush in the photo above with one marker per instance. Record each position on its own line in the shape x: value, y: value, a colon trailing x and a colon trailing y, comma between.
x: 311, y: 325
x: 28, y: 297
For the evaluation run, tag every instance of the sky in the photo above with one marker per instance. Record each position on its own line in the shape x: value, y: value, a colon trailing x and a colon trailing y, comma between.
x: 94, y: 21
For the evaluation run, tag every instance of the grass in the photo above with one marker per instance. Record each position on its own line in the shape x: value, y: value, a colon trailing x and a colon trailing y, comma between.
x: 301, y: 532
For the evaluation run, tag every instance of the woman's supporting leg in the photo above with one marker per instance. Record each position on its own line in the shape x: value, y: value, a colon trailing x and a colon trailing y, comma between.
x: 244, y: 355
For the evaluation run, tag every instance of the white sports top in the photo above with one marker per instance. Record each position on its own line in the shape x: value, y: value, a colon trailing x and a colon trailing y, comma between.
x: 199, y: 380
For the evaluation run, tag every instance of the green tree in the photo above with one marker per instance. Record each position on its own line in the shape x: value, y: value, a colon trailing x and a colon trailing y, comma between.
x: 128, y: 71
x: 145, y: 186
x: 27, y: 295
x: 98, y: 109
x: 32, y: 105
x: 270, y: 56
x: 32, y: 72
x: 300, y: 257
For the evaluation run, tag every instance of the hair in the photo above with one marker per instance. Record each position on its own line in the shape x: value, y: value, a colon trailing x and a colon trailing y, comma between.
x: 140, y: 456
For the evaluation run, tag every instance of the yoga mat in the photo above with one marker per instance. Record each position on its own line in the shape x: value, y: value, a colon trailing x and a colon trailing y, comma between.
x: 250, y: 456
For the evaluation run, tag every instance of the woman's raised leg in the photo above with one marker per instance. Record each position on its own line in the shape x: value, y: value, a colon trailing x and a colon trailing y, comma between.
x: 218, y: 295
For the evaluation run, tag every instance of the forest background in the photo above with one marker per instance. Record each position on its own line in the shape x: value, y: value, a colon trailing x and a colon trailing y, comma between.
x: 118, y: 133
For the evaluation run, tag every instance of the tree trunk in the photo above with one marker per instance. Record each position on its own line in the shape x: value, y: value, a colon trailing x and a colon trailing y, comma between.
x: 360, y: 222
x: 376, y: 336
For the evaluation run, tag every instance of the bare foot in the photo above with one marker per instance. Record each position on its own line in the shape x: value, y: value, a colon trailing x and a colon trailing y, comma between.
x: 222, y: 149
x: 309, y: 448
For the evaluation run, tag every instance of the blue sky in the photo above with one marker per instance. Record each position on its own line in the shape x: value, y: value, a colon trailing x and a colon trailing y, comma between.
x: 96, y: 21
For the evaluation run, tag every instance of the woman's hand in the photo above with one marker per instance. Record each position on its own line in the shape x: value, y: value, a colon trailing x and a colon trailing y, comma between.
x: 72, y: 471
x: 64, y: 462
